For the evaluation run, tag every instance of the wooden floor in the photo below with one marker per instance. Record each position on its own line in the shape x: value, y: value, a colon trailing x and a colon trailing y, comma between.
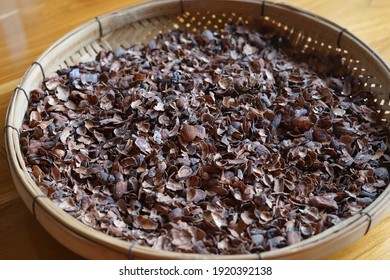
x: 27, y: 28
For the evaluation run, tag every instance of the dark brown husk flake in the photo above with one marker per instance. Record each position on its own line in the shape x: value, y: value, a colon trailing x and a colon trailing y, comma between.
x: 212, y: 142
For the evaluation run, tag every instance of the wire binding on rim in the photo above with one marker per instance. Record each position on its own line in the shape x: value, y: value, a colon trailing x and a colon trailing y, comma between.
x: 131, y: 253
x: 339, y: 37
x: 262, y: 8
x: 40, y: 66
x: 259, y: 255
x: 35, y: 198
x: 100, y: 27
x: 369, y: 221
x: 25, y: 93
x: 14, y: 128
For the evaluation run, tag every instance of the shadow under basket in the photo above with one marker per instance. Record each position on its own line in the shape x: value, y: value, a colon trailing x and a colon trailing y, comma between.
x: 140, y: 23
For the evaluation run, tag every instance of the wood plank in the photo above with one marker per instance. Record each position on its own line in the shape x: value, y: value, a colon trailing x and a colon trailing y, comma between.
x: 7, y: 189
x: 28, y: 239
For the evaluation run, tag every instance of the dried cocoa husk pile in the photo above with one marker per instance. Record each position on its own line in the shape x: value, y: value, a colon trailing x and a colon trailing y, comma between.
x: 207, y: 142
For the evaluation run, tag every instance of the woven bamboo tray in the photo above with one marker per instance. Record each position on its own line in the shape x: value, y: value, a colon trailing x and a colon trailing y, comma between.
x: 140, y: 23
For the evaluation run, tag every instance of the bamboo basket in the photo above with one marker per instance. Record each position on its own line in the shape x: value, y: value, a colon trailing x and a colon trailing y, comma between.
x: 307, y: 33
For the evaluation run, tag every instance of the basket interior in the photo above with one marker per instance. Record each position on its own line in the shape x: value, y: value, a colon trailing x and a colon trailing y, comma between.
x: 305, y: 32
x: 307, y: 36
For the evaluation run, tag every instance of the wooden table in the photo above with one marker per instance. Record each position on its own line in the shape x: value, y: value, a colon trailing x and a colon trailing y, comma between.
x: 27, y: 28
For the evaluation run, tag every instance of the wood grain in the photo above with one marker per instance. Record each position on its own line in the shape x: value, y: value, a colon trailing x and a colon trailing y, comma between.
x: 27, y: 28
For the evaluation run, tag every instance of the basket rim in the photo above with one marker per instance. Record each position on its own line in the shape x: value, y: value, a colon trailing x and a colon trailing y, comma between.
x: 38, y: 201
